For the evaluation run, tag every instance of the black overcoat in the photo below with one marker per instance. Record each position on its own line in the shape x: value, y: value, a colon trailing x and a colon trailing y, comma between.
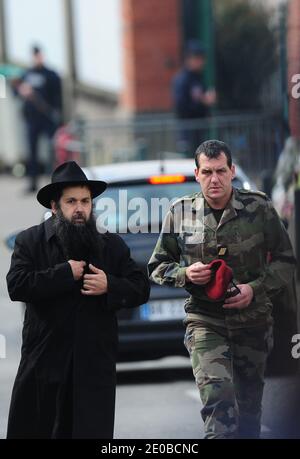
x: 69, y: 340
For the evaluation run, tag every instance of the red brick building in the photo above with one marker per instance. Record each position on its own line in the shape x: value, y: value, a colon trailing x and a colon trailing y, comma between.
x: 151, y: 49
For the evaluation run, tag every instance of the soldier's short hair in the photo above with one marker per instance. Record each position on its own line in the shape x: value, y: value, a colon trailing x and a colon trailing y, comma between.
x: 212, y: 150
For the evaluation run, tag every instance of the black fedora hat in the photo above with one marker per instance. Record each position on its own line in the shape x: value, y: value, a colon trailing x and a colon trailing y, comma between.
x: 68, y: 174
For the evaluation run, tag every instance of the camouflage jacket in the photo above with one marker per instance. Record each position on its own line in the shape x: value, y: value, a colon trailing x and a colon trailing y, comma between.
x: 258, y: 250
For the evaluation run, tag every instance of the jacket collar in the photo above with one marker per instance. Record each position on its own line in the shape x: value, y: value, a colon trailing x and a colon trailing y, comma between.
x: 49, y: 228
x: 231, y: 208
x: 230, y: 212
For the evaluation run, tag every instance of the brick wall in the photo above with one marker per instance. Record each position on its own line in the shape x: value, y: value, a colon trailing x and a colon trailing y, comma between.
x: 152, y: 45
x: 293, y: 48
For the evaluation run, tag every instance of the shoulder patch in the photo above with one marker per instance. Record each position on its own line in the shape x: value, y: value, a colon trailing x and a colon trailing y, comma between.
x: 256, y: 193
x: 186, y: 198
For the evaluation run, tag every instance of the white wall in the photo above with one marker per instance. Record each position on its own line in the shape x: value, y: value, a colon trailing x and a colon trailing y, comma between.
x: 12, y: 135
x: 98, y: 42
x: 98, y: 26
x: 36, y: 21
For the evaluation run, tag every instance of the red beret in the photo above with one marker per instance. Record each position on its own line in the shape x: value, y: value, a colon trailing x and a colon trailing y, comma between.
x: 222, y: 276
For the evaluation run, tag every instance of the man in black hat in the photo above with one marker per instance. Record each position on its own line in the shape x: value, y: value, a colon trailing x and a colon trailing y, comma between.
x: 192, y: 99
x: 40, y: 90
x: 73, y: 280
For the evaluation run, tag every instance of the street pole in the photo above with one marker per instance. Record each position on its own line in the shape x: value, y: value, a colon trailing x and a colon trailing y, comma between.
x: 297, y: 224
x: 3, y: 51
x: 69, y: 81
x: 283, y: 64
x: 206, y: 35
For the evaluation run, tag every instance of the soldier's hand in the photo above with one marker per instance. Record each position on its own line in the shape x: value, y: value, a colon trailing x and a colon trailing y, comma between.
x: 94, y: 284
x: 198, y: 273
x: 242, y: 300
x: 77, y: 268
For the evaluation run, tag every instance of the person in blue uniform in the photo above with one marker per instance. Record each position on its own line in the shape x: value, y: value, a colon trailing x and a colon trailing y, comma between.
x: 40, y: 90
x: 191, y: 97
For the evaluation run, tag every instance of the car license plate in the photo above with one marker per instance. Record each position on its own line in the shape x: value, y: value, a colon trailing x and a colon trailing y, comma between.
x: 163, y: 310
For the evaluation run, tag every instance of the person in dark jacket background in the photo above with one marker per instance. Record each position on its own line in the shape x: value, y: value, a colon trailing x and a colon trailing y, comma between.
x: 40, y: 90
x: 73, y: 279
x: 191, y: 98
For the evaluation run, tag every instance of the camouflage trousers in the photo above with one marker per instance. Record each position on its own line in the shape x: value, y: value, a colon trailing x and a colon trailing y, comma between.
x: 228, y: 367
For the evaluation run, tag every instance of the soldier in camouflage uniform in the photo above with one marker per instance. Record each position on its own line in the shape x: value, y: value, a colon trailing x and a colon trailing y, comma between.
x: 228, y: 340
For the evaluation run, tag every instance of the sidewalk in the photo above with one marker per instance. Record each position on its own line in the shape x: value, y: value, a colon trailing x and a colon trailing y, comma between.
x: 18, y: 211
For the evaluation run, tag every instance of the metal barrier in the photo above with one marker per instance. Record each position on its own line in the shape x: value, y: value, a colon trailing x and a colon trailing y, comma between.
x: 255, y: 139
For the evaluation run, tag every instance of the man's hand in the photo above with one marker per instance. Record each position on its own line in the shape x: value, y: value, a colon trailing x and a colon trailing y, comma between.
x: 77, y: 268
x: 25, y: 90
x: 94, y: 284
x: 242, y: 300
x: 198, y: 273
x: 210, y: 97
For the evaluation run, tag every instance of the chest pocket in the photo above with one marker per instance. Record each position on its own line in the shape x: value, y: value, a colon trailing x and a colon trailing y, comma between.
x: 197, y: 246
x: 189, y: 244
x: 232, y: 240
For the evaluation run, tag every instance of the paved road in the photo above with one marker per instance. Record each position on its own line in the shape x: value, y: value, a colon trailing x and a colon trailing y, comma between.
x: 154, y: 399
x: 18, y: 211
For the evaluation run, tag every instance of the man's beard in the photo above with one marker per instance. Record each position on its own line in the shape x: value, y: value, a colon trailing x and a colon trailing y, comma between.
x: 78, y: 241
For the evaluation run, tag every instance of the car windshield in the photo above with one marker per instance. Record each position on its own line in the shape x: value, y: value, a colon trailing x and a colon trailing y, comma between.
x: 134, y: 207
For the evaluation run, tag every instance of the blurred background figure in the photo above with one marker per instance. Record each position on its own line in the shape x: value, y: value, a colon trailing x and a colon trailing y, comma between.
x: 40, y: 89
x: 192, y: 99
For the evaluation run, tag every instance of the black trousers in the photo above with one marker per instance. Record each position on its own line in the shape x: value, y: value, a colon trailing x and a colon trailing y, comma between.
x: 34, y: 131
